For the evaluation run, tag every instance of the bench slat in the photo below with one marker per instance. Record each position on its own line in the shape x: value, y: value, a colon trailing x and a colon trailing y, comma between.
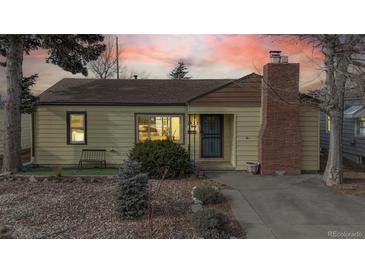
x: 93, y: 156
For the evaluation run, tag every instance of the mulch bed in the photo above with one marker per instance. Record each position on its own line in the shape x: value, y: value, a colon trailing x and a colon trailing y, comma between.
x: 83, y: 207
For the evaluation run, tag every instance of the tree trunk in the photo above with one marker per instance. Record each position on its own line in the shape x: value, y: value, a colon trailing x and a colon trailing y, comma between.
x: 12, y: 119
x: 336, y: 82
x: 333, y: 174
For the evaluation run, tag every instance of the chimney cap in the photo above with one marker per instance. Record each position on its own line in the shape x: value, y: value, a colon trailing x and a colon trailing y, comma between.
x: 275, y: 56
x: 275, y: 51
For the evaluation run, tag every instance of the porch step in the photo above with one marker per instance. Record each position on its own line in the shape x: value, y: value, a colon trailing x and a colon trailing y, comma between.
x: 214, y: 165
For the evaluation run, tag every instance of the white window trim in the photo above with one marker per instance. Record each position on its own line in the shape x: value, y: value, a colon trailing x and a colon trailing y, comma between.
x: 181, y: 115
x: 328, y: 124
x: 357, y: 128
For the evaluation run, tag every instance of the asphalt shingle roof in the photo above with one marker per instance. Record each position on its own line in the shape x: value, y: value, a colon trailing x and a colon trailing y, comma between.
x: 128, y: 92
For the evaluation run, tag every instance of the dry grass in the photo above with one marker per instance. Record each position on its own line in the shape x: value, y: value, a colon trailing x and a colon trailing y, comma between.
x: 351, y: 187
x: 354, y: 177
x: 83, y: 207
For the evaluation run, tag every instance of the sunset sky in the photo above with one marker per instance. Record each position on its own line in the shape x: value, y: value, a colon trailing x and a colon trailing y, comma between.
x: 207, y: 56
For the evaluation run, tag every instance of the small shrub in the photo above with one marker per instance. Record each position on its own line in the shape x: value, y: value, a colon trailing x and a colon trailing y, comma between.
x: 208, y: 195
x: 211, y: 224
x: 132, y: 196
x: 155, y: 156
x: 5, y: 233
x: 129, y: 169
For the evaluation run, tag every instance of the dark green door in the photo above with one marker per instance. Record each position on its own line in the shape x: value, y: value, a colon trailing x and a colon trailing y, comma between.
x: 211, y: 135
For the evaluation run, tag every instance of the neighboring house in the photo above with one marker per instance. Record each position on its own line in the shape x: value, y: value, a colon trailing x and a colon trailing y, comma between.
x: 221, y: 122
x: 26, y: 131
x: 353, y: 143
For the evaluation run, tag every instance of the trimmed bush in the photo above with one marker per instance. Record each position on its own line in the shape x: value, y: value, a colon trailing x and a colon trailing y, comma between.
x: 211, y: 224
x: 129, y: 169
x: 155, y: 156
x: 208, y: 195
x: 132, y: 196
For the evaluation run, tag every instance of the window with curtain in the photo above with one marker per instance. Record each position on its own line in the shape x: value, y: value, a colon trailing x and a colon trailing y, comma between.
x: 76, y: 128
x: 159, y: 127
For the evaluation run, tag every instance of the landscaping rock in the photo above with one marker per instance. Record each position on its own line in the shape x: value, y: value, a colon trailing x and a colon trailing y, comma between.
x: 79, y: 180
x: 68, y: 209
x: 196, y: 207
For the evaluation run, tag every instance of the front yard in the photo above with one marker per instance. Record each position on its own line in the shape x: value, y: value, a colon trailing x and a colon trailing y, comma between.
x: 83, y: 207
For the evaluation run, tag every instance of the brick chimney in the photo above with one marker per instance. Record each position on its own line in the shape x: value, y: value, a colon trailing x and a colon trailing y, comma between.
x: 279, y: 140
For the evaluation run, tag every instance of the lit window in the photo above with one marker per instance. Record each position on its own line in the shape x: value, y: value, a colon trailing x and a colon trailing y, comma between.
x: 328, y: 123
x: 76, y: 128
x: 361, y: 127
x: 159, y: 127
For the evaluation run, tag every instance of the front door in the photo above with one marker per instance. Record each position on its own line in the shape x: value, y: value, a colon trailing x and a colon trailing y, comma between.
x: 211, y: 135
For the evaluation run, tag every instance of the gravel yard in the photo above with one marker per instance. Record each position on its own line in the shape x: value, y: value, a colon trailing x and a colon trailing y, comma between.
x: 83, y: 207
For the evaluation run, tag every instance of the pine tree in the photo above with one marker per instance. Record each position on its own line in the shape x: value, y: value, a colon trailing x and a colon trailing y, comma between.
x: 70, y: 52
x: 28, y: 100
x: 180, y: 71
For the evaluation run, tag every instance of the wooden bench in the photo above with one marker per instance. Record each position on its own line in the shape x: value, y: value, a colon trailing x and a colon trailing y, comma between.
x: 95, y: 156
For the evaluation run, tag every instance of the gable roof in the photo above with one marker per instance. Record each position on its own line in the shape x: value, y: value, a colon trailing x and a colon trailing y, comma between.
x: 71, y: 91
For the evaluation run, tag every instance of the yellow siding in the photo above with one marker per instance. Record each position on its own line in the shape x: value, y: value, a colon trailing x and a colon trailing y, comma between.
x: 247, y: 134
x: 309, y: 126
x: 26, y: 131
x: 242, y: 127
x: 228, y: 133
x: 108, y: 127
x: 113, y: 128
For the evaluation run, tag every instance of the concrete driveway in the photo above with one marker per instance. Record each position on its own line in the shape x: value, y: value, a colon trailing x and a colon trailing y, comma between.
x: 292, y: 207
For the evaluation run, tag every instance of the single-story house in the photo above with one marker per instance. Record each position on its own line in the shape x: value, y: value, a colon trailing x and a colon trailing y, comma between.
x: 223, y: 123
x: 26, y: 124
x: 353, y: 141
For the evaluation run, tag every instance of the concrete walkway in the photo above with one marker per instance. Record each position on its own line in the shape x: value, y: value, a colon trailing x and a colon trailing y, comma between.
x: 292, y: 207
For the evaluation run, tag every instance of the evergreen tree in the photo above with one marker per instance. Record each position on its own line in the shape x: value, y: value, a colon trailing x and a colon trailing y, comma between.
x: 70, y: 52
x: 180, y: 71
x: 28, y: 100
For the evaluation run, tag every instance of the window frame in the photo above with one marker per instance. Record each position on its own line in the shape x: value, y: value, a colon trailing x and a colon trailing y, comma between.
x: 68, y: 124
x: 328, y: 123
x: 182, y: 126
x: 357, y: 127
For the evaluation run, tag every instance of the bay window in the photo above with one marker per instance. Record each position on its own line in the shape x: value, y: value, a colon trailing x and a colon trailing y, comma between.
x: 76, y: 128
x: 159, y: 127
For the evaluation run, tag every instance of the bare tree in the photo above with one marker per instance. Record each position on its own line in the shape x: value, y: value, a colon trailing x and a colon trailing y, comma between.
x: 344, y: 64
x: 106, y: 65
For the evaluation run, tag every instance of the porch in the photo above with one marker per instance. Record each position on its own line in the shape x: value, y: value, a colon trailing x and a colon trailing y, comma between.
x: 211, y: 141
